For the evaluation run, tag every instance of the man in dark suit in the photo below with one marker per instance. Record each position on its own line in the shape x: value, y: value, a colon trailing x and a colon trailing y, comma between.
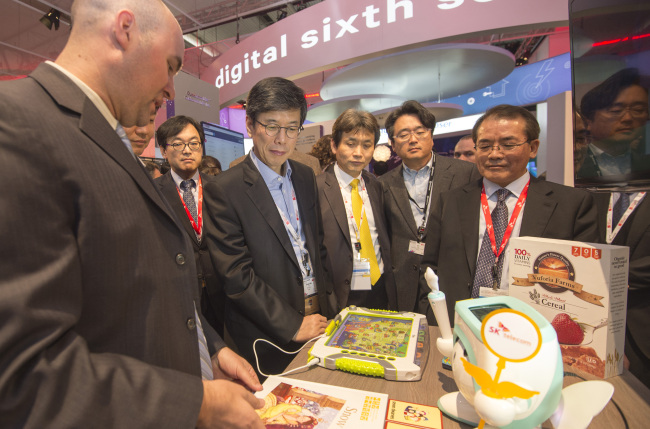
x: 266, y: 238
x: 460, y: 246
x: 98, y: 305
x: 411, y: 191
x: 632, y: 212
x: 181, y: 140
x: 351, y: 202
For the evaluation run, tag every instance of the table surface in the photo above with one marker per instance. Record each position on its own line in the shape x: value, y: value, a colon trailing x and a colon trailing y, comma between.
x: 630, y: 395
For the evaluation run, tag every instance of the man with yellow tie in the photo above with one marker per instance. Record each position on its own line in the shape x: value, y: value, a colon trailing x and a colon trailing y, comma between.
x: 351, y: 202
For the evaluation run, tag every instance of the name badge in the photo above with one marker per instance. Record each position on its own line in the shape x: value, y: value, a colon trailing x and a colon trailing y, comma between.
x: 416, y: 247
x: 361, y: 275
x: 488, y: 291
x: 311, y: 296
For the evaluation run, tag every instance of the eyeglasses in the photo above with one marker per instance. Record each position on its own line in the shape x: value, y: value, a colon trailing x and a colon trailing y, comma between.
x: 272, y: 130
x: 193, y: 145
x: 503, y: 147
x: 617, y: 111
x: 419, y: 133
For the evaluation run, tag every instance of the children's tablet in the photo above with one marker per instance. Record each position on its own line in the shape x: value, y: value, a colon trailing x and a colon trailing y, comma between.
x: 378, y: 343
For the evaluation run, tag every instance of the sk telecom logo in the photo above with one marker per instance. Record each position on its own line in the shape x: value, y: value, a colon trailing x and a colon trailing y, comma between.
x: 586, y: 252
x: 501, y: 328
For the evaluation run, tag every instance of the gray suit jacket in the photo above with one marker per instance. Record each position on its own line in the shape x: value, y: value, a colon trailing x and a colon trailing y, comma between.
x: 256, y: 263
x: 97, y: 321
x: 551, y: 211
x: 635, y: 233
x: 448, y: 174
x: 337, y: 234
x: 213, y: 299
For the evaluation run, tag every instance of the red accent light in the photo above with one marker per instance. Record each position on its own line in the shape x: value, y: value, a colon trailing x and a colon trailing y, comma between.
x: 315, y: 94
x: 235, y: 106
x: 624, y: 39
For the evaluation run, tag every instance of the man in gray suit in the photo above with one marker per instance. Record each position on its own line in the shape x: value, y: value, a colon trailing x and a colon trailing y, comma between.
x: 266, y: 239
x: 411, y: 191
x: 356, y: 238
x: 98, y: 298
x: 470, y: 227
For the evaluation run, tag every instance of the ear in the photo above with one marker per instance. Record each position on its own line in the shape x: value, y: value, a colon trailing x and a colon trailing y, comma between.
x: 333, y: 146
x: 124, y: 28
x: 163, y: 151
x: 534, y: 145
x: 250, y: 126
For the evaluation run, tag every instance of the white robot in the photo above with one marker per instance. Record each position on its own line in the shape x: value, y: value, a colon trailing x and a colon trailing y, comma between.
x: 507, y: 364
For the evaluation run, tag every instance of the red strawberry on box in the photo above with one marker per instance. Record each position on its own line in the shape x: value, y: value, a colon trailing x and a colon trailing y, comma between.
x: 568, y: 330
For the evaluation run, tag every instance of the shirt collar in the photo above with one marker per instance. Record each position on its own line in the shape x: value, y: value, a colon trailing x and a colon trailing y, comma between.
x: 92, y: 95
x: 516, y: 186
x: 178, y: 179
x: 270, y: 177
x: 599, y: 153
x: 412, y: 173
x: 344, y: 178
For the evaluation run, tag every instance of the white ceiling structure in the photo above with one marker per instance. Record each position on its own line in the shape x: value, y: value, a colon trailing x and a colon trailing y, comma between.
x: 211, y: 27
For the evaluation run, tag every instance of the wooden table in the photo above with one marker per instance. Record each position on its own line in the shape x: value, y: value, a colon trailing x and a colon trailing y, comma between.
x: 630, y: 395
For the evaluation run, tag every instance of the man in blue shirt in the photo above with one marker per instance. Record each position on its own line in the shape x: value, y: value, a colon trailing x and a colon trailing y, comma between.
x: 267, y: 242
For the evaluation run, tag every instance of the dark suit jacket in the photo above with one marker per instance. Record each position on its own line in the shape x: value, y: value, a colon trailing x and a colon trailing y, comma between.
x: 635, y: 233
x: 213, y: 298
x: 448, y: 174
x: 97, y: 319
x: 551, y: 211
x: 337, y: 234
x: 256, y: 263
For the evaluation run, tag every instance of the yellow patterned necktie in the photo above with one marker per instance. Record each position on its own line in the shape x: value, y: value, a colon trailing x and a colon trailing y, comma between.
x: 367, y: 249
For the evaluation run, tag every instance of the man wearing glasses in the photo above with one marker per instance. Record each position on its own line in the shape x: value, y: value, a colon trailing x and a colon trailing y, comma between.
x: 411, y: 191
x: 470, y: 228
x: 181, y: 143
x: 267, y: 238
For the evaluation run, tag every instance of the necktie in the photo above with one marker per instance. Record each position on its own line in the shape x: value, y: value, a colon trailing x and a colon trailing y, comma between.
x: 188, y: 197
x: 484, y: 276
x: 204, y: 354
x: 621, y: 205
x: 367, y: 249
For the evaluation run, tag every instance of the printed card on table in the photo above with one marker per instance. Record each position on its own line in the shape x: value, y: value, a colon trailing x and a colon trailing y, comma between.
x: 410, y: 415
x: 298, y: 404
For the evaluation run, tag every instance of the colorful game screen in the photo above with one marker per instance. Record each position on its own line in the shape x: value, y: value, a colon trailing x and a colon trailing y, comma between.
x: 387, y: 336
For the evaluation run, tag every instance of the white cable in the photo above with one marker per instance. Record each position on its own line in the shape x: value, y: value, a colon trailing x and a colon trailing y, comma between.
x: 311, y: 363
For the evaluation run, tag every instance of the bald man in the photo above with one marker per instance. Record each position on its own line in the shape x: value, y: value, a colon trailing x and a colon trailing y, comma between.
x: 99, y: 308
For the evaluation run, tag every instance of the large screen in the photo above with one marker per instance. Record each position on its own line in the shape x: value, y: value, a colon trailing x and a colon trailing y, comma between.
x: 610, y: 51
x: 224, y: 144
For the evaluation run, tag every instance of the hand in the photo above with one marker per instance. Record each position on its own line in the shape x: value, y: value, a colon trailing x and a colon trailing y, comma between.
x: 310, y: 327
x: 228, y: 405
x: 229, y: 365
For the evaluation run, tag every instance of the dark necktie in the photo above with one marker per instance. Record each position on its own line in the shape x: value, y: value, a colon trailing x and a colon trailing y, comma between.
x: 484, y: 276
x: 621, y: 205
x: 186, y: 187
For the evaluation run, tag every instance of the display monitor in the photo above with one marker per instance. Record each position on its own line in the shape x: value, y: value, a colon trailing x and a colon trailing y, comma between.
x: 224, y: 144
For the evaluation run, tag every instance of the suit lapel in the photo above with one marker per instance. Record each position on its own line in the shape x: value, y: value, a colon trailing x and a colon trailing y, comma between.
x: 401, y: 197
x: 469, y: 206
x: 334, y: 198
x: 94, y: 125
x: 305, y: 197
x: 442, y: 177
x: 260, y: 196
x: 538, y: 209
x: 170, y: 192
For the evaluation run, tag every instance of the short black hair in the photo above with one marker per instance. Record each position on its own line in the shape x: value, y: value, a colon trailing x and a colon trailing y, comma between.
x: 174, y: 126
x: 275, y: 94
x: 352, y: 121
x: 414, y: 108
x: 604, y: 95
x: 507, y: 111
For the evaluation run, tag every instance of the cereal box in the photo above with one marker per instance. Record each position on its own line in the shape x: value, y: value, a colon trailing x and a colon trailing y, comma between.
x: 581, y: 288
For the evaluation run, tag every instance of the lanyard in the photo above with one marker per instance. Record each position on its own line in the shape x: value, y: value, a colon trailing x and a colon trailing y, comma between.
x: 197, y: 225
x: 423, y: 226
x: 513, y: 219
x: 296, y: 234
x: 611, y: 234
x: 348, y: 211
